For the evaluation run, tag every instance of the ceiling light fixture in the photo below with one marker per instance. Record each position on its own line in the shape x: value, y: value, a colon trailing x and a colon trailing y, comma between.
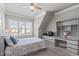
x: 33, y: 6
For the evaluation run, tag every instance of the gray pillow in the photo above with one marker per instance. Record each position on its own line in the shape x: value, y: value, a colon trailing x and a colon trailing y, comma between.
x: 14, y: 39
x: 9, y: 41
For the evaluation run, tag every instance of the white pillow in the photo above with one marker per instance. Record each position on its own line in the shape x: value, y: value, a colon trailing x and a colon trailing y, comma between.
x: 8, y: 41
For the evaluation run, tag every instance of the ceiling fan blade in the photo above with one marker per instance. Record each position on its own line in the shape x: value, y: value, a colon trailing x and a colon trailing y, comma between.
x: 37, y: 7
x: 31, y: 4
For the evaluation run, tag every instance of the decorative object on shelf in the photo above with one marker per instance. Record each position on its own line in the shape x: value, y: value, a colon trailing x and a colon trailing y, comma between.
x: 50, y: 33
x: 66, y: 34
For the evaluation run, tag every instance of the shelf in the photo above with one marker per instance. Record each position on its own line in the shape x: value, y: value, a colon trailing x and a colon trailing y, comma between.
x: 72, y: 28
x: 60, y: 43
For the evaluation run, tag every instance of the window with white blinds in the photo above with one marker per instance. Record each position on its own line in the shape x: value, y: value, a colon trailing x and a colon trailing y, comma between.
x: 20, y: 28
x: 14, y: 27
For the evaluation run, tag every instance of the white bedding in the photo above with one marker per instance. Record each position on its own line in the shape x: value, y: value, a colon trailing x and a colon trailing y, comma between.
x: 28, y: 40
x: 25, y: 46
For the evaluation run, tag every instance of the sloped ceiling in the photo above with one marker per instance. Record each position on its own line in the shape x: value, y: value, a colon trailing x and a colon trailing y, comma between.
x: 16, y: 8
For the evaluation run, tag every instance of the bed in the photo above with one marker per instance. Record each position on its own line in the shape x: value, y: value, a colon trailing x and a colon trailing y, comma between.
x: 25, y: 46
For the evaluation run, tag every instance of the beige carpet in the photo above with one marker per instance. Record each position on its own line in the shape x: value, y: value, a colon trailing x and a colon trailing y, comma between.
x: 50, y: 51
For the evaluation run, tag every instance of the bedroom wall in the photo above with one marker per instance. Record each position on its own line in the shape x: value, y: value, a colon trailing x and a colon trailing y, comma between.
x: 69, y: 13
x: 41, y: 22
x: 2, y: 29
x: 48, y: 16
x: 37, y: 22
x: 2, y: 15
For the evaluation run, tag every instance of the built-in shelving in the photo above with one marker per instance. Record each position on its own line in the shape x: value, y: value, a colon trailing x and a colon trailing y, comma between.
x: 71, y: 42
x: 70, y: 26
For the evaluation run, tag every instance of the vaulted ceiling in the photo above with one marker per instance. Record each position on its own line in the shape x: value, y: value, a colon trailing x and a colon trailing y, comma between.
x: 16, y: 8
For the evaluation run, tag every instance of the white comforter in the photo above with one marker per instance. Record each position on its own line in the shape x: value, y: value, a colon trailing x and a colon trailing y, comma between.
x: 25, y: 46
x: 28, y: 41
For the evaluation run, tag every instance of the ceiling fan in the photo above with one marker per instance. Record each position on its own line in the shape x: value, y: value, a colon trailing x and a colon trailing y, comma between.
x: 33, y: 6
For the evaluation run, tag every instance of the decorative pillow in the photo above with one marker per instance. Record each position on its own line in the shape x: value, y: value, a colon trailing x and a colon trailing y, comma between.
x: 8, y: 41
x: 14, y: 40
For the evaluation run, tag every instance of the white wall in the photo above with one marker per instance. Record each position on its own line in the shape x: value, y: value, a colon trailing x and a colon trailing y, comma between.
x: 2, y: 15
x: 41, y: 22
x: 48, y: 16
x: 37, y: 22
x: 2, y: 29
x: 72, y: 13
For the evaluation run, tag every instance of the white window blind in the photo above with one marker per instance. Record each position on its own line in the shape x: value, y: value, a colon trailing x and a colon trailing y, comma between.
x: 14, y: 27
x: 28, y: 28
x: 20, y: 28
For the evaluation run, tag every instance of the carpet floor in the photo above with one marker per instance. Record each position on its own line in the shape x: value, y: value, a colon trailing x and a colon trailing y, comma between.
x: 50, y: 51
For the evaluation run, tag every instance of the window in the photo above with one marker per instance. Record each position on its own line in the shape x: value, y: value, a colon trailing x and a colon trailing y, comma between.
x: 14, y: 27
x: 21, y: 28
x: 0, y: 22
x: 28, y: 28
